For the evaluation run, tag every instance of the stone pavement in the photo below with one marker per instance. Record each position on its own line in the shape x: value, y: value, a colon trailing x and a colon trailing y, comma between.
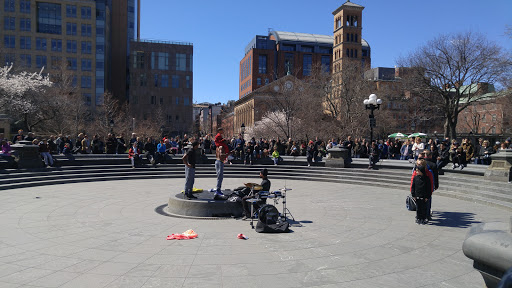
x: 107, y: 234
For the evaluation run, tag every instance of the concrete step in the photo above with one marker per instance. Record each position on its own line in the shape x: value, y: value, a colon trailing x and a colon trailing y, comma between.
x: 476, y: 199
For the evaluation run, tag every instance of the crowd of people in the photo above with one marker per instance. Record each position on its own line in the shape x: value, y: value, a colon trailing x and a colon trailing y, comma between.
x: 159, y: 150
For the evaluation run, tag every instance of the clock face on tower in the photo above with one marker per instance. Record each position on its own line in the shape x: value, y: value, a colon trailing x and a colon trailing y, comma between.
x: 288, y: 85
x: 276, y: 88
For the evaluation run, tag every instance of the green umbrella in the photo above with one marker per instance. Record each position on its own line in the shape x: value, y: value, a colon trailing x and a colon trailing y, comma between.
x: 418, y: 134
x: 397, y: 135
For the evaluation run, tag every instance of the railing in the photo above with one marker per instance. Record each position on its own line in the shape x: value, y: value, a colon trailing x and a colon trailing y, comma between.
x: 162, y: 42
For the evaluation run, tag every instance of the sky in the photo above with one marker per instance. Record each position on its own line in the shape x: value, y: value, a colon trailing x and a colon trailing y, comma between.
x: 220, y: 30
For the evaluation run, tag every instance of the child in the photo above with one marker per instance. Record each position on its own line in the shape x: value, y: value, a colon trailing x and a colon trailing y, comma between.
x: 275, y: 156
x: 421, y: 191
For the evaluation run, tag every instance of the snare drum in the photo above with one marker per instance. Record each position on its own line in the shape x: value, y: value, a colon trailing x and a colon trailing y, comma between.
x: 278, y: 194
x: 262, y: 194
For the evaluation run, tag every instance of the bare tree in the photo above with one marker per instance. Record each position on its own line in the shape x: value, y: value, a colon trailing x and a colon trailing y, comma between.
x: 448, y: 69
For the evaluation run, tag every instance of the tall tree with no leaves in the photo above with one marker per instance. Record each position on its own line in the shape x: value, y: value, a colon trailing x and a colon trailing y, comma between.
x: 447, y: 70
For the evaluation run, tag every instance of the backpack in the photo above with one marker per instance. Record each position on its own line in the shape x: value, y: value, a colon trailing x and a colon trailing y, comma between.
x: 410, y: 203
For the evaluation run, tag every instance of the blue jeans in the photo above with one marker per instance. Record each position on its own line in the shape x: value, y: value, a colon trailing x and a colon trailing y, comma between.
x: 219, y: 168
x: 190, y: 174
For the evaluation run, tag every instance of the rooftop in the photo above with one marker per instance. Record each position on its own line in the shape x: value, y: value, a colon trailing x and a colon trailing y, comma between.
x: 162, y: 42
x: 302, y: 37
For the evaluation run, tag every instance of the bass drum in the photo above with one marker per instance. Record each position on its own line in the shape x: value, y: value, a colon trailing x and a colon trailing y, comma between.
x: 268, y: 215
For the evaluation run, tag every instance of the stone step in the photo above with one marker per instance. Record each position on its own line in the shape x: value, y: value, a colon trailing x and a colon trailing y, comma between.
x: 476, y: 199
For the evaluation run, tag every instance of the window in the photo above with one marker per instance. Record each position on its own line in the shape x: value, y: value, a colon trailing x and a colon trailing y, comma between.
x: 100, y: 65
x: 41, y: 44
x: 9, y: 6
x: 189, y: 63
x: 25, y: 24
x: 165, y: 80
x: 86, y: 65
x: 307, y: 62
x: 72, y: 63
x: 86, y: 30
x: 86, y: 47
x: 494, y: 118
x: 138, y: 60
x: 99, y: 48
x: 71, y: 46
x: 493, y: 130
x: 9, y: 59
x: 308, y: 49
x: 40, y: 61
x: 262, y: 64
x: 86, y: 82
x: 71, y: 29
x: 9, y: 41
x: 26, y: 60
x: 177, y: 103
x: 87, y: 98
x: 25, y: 6
x: 188, y: 84
x: 100, y: 31
x: 49, y: 19
x: 25, y: 42
x: 288, y: 62
x: 169, y: 118
x: 153, y: 100
x: 100, y: 83
x: 258, y: 81
x: 161, y: 101
x: 326, y: 63
x: 483, y: 130
x: 55, y: 62
x: 186, y: 101
x: 325, y: 50
x: 181, y: 62
x: 160, y: 60
x: 156, y: 79
x: 142, y: 80
x: 57, y: 45
x: 86, y: 12
x: 9, y: 23
x: 175, y: 81
x: 71, y: 11
x: 266, y: 81
x: 288, y: 47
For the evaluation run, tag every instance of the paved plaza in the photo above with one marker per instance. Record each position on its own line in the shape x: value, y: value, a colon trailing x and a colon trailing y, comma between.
x: 108, y: 234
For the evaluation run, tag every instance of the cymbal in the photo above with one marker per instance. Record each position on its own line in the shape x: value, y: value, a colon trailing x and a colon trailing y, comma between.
x: 286, y: 189
x: 258, y: 187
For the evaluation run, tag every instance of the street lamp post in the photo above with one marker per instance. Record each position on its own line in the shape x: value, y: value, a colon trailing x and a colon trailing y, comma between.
x: 371, y: 104
x: 111, y: 124
x: 242, y: 129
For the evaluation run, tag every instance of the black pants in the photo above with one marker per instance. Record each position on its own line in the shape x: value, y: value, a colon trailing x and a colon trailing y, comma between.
x: 421, y: 208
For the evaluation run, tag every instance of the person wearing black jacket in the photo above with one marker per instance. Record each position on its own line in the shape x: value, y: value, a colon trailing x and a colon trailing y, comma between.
x: 111, y: 144
x: 374, y: 155
x: 443, y: 158
x: 150, y: 149
x: 433, y: 167
x: 421, y: 191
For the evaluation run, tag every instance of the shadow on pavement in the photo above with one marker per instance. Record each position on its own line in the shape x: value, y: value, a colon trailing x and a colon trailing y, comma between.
x: 453, y: 219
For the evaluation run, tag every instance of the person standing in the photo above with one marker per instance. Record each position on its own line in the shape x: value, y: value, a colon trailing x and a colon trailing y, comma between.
x: 220, y: 156
x: 420, y: 190
x: 189, y: 159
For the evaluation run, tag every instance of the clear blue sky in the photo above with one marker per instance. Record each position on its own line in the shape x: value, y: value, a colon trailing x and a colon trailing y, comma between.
x: 220, y: 30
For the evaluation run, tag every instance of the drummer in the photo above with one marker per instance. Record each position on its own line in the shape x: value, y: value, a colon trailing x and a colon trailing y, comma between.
x: 265, y: 186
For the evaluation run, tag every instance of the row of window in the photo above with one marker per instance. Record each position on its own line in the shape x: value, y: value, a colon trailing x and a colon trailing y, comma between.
x: 161, y: 80
x: 246, y: 85
x: 246, y: 68
x: 41, y: 44
x: 9, y: 6
x: 56, y: 62
x: 305, y: 48
x: 161, y: 61
x: 186, y: 102
x: 85, y: 12
x: 71, y: 28
x: 351, y: 53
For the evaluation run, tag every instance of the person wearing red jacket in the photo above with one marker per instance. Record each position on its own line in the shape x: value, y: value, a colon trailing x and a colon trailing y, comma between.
x: 220, y: 141
x: 135, y: 154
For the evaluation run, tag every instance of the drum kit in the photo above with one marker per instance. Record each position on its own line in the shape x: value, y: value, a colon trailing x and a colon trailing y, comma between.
x: 262, y: 196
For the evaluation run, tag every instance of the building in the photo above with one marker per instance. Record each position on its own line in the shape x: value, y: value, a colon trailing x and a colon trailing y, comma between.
x: 160, y: 87
x: 488, y: 114
x: 57, y: 33
x: 271, y: 57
